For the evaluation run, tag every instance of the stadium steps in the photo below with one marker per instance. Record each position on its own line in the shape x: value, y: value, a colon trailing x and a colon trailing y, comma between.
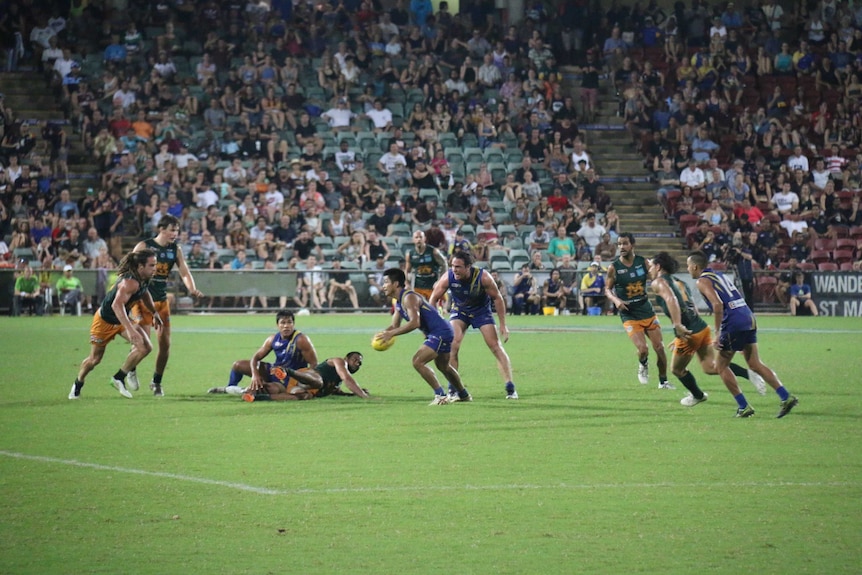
x: 28, y: 96
x: 621, y: 169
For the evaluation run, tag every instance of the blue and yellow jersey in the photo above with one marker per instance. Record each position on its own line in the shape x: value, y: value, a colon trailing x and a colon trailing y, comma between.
x: 737, y: 315
x: 430, y: 321
x: 287, y: 354
x: 469, y: 297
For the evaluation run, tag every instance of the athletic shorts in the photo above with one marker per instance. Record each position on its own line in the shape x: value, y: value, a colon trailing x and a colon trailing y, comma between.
x: 143, y: 317
x: 424, y: 292
x: 438, y: 343
x: 278, y: 374
x: 737, y: 340
x: 634, y: 326
x: 102, y: 332
x: 694, y: 343
x: 475, y: 321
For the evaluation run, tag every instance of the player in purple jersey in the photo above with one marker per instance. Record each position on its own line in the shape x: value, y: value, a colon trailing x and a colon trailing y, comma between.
x: 735, y: 330
x: 293, y: 351
x: 419, y: 314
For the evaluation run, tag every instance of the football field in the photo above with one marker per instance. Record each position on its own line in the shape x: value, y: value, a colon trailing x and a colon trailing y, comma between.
x: 588, y: 472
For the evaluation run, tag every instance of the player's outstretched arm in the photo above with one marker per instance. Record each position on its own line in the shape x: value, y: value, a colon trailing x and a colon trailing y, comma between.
x: 347, y: 378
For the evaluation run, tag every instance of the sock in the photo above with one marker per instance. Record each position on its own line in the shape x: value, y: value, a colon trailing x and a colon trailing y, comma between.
x: 782, y: 393
x: 464, y: 394
x: 690, y: 384
x: 643, y: 360
x: 439, y: 391
x: 452, y: 389
x: 235, y: 378
x: 740, y: 401
x: 739, y: 371
x: 120, y: 375
x: 662, y: 379
x: 78, y: 385
x: 157, y: 378
x: 262, y: 397
x: 510, y: 387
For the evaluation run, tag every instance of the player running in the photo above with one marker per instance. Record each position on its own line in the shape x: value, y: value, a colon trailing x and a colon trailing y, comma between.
x: 736, y: 330
x: 692, y: 333
x: 626, y: 288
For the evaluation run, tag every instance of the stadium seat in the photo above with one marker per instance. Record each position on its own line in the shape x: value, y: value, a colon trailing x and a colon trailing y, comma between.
x: 807, y: 266
x: 766, y: 288
x: 820, y: 256
x: 827, y: 267
x: 846, y: 267
x: 824, y: 244
x: 842, y: 256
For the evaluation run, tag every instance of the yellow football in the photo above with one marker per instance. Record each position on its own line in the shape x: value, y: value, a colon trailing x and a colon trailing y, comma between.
x: 378, y: 344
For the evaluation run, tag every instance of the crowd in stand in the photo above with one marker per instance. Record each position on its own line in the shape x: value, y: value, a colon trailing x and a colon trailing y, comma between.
x: 284, y: 132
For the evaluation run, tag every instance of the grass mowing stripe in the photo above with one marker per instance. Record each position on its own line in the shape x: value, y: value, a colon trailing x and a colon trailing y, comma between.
x: 510, y: 487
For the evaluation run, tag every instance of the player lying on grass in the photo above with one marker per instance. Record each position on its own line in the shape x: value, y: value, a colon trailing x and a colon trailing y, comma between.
x: 288, y: 384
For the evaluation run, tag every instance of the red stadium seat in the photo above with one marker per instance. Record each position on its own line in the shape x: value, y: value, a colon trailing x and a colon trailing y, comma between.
x: 846, y: 244
x: 856, y: 232
x: 819, y: 256
x: 718, y: 266
x: 846, y: 267
x: 824, y: 244
x: 807, y: 266
x: 827, y: 267
x: 841, y: 256
x: 766, y: 288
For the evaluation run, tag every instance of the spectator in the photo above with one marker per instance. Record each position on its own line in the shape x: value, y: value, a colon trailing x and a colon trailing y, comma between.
x: 539, y: 239
x: 70, y: 291
x: 591, y: 232
x: 339, y: 282
x: 785, y: 201
x: 525, y: 294
x: 800, y: 296
x: 561, y: 246
x: 592, y: 289
x: 693, y: 176
x: 28, y: 293
x: 340, y: 117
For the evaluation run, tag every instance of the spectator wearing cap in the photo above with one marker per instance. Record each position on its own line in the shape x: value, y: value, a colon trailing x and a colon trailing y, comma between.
x: 693, y: 176
x: 592, y: 289
x: 70, y: 291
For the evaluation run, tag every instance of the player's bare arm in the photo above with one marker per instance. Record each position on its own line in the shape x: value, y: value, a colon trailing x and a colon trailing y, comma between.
x: 125, y: 290
x: 347, y: 378
x: 309, y: 354
x: 254, y: 364
x: 186, y: 275
x: 609, y: 289
x: 410, y: 304
x: 440, y: 287
x: 660, y: 287
x: 150, y: 305
x: 499, y: 304
x: 441, y: 261
x: 708, y: 291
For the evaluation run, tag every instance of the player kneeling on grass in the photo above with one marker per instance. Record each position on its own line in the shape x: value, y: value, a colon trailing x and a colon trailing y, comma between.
x: 693, y: 335
x: 419, y: 314
x: 325, y: 379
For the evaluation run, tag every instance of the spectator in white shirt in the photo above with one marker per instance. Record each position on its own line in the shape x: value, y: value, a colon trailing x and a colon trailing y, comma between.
x: 390, y: 159
x: 798, y: 161
x: 591, y: 232
x: 235, y: 174
x: 785, y: 201
x: 381, y: 117
x: 693, y: 176
x: 339, y: 117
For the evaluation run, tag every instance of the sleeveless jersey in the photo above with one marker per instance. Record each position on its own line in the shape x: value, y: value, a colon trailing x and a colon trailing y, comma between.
x: 688, y: 312
x: 737, y: 315
x: 287, y: 354
x: 630, y: 287
x: 105, y: 309
x: 430, y: 321
x: 425, y: 267
x: 469, y: 297
x: 166, y: 257
x: 553, y: 286
x: 330, y: 376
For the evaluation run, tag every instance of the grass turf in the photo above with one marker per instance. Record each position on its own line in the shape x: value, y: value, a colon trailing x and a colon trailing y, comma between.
x: 588, y: 472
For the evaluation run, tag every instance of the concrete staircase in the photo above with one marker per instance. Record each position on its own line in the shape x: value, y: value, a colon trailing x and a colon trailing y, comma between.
x: 626, y: 180
x: 32, y: 101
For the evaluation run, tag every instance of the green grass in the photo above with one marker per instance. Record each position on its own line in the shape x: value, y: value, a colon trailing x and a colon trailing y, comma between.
x: 589, y: 472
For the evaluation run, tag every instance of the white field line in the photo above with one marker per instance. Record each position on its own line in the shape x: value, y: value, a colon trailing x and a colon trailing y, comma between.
x: 407, y: 488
